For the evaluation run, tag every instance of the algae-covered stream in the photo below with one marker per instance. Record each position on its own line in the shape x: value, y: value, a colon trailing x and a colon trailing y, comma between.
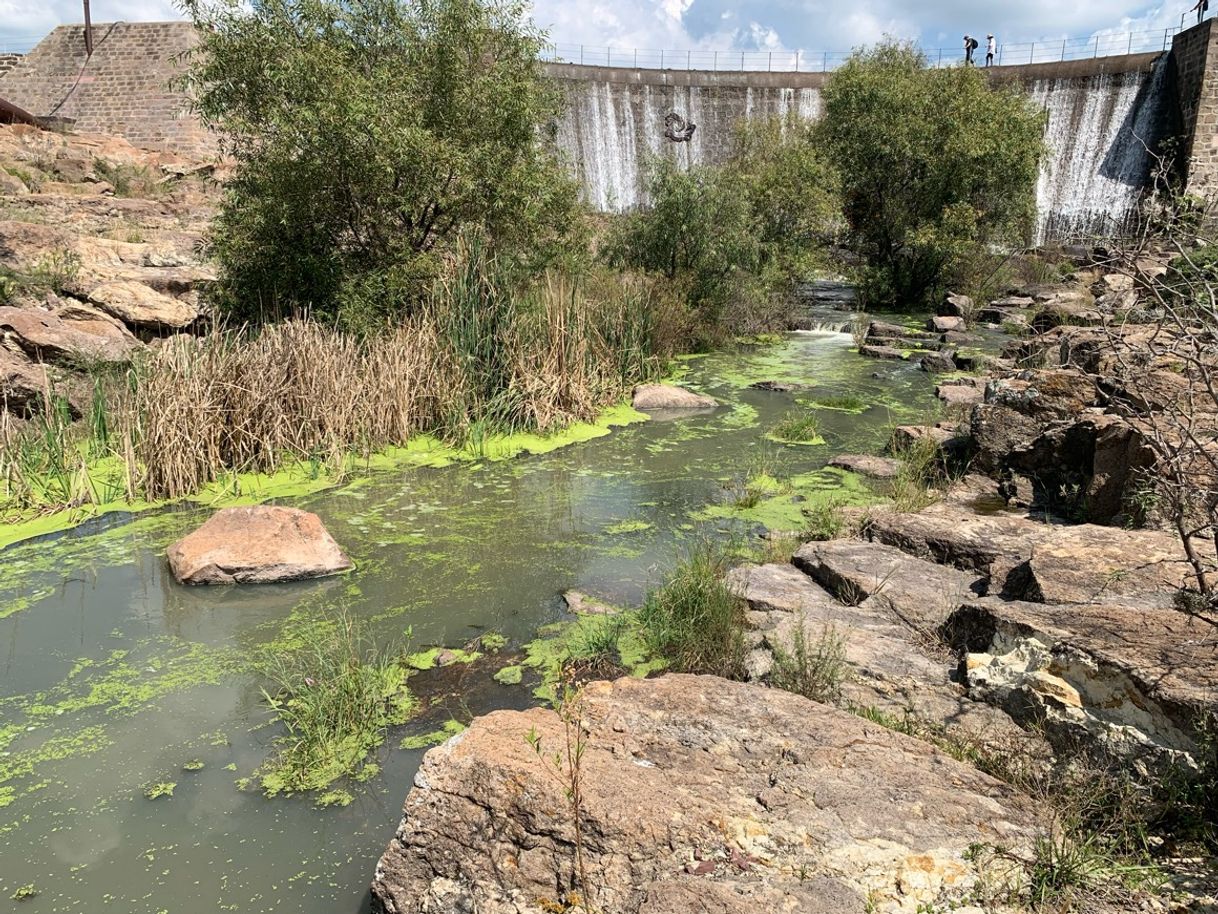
x: 114, y: 679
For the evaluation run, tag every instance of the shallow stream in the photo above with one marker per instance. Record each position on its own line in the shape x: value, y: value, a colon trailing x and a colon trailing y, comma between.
x: 113, y: 677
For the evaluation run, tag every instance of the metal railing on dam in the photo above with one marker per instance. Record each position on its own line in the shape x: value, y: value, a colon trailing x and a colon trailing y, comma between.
x: 1045, y: 50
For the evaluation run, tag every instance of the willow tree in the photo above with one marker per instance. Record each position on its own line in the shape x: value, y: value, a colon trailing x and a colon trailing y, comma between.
x: 366, y: 135
x: 933, y: 164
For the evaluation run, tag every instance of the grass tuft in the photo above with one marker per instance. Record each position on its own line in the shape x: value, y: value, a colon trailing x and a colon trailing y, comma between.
x: 695, y: 620
x: 335, y: 693
x: 800, y: 427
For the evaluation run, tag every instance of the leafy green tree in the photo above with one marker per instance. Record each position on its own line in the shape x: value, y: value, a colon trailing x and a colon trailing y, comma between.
x: 740, y: 231
x: 367, y: 135
x: 933, y: 163
x: 696, y: 230
x: 792, y: 192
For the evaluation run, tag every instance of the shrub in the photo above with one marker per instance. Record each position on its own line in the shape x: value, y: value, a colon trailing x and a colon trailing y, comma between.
x: 695, y: 231
x: 695, y: 620
x: 814, y: 669
x: 365, y: 137
x: 934, y: 164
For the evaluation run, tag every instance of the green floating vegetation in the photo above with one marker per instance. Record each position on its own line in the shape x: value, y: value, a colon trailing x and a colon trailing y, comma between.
x: 602, y: 642
x: 434, y: 737
x: 492, y: 641
x: 25, y: 892
x: 439, y: 656
x: 789, y: 506
x: 334, y: 798
x: 157, y: 789
x: 628, y: 526
x: 194, y: 765
x: 510, y: 675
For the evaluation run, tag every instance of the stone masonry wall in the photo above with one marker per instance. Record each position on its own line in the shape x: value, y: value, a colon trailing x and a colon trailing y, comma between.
x: 124, y: 88
x: 1195, y: 56
x: 8, y: 62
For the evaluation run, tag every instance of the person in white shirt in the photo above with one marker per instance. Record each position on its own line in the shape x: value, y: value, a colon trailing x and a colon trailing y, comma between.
x: 991, y: 48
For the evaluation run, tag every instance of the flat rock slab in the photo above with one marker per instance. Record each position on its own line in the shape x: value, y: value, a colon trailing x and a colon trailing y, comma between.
x: 1028, y: 559
x: 959, y: 394
x: 921, y: 594
x: 881, y: 352
x: 697, y: 797
x: 258, y: 545
x: 868, y: 465
x: 1132, y: 678
x: 668, y: 396
x: 890, y: 666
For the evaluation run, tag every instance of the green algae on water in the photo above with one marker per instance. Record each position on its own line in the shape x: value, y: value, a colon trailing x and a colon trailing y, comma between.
x: 510, y: 675
x: 628, y: 526
x: 435, y: 737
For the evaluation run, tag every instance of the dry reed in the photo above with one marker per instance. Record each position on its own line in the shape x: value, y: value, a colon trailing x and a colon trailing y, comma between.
x: 476, y: 359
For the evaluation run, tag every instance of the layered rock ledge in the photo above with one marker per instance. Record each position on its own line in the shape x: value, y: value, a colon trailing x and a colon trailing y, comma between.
x: 699, y: 794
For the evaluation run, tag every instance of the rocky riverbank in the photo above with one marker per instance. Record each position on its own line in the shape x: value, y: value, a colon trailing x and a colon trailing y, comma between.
x: 100, y: 255
x: 1029, y: 623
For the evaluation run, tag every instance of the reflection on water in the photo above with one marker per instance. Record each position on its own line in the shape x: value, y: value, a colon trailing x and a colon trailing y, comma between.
x: 112, y: 676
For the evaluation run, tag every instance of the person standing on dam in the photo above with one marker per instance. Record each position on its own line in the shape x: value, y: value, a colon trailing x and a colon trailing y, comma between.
x: 1202, y: 7
x: 991, y: 48
x: 970, y: 45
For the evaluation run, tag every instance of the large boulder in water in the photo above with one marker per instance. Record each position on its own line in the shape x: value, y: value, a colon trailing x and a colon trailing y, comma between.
x: 669, y: 396
x: 258, y: 545
x: 698, y: 794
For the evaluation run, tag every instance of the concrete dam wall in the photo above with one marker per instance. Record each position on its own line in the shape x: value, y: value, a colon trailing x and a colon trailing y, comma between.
x: 1103, y: 117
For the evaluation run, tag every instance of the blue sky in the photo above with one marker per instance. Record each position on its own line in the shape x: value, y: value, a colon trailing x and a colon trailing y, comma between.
x: 725, y: 24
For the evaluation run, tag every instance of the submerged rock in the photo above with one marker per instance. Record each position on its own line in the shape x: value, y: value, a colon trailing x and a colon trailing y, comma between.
x: 868, y: 465
x: 257, y: 545
x: 669, y: 396
x: 781, y: 387
x: 697, y: 796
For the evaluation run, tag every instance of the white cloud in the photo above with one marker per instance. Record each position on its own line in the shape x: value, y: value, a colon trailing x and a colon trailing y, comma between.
x: 815, y: 25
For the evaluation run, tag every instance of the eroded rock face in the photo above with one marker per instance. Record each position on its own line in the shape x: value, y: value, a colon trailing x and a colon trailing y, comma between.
x: 890, y: 667
x: 22, y: 383
x: 139, y: 306
x: 697, y: 797
x: 1131, y: 679
x: 669, y: 396
x: 257, y: 545
x: 69, y: 336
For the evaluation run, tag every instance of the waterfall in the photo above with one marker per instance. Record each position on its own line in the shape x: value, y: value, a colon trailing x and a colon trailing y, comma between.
x: 610, y: 129
x: 1098, y: 133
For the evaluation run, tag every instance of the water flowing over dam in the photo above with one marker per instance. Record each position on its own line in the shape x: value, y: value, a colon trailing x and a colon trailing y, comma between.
x: 1103, y: 119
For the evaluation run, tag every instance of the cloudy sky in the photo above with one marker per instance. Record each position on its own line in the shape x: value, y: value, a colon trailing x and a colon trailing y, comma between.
x: 729, y: 24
